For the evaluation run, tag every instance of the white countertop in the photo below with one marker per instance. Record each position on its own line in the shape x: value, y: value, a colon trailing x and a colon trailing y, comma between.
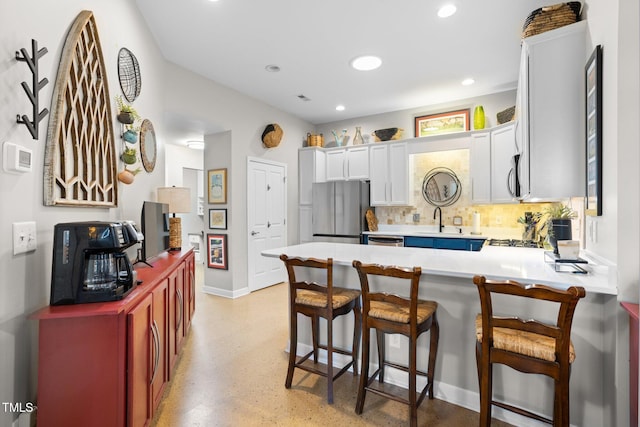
x: 499, y: 263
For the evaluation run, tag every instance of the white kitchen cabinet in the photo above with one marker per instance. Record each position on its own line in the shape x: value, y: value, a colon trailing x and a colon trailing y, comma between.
x: 311, y: 168
x: 502, y: 162
x: 491, y: 164
x: 480, y: 167
x: 305, y: 226
x: 348, y: 163
x: 389, y: 174
x: 550, y: 109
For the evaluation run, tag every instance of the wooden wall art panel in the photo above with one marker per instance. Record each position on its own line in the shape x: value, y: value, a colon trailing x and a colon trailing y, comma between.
x: 80, y: 161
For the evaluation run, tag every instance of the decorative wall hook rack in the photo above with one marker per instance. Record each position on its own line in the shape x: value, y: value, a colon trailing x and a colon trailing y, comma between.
x: 33, y: 95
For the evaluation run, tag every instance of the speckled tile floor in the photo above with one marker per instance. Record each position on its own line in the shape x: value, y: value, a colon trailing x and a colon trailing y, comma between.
x: 233, y: 366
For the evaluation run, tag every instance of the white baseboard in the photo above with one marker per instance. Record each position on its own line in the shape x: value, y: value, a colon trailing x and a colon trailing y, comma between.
x: 446, y: 392
x: 225, y: 293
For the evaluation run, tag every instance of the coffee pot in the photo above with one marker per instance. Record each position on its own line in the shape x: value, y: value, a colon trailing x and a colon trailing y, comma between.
x: 90, y: 263
x: 105, y: 270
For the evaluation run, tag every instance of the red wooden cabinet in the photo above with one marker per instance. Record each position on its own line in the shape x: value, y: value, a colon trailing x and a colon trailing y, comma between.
x: 106, y: 364
x: 139, y: 358
x: 160, y: 342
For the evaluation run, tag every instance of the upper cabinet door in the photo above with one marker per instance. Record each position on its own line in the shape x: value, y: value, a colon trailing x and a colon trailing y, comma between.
x: 480, y: 167
x: 379, y: 161
x: 398, y: 174
x: 336, y: 160
x: 502, y: 167
x: 348, y: 164
x: 311, y: 168
x: 389, y: 175
x: 551, y: 104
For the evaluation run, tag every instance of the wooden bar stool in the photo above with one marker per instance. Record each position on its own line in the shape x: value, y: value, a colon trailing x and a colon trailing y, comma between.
x: 315, y: 301
x: 528, y: 346
x: 392, y: 314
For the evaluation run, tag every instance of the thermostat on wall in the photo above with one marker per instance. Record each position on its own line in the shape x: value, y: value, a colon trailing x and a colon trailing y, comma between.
x: 16, y: 158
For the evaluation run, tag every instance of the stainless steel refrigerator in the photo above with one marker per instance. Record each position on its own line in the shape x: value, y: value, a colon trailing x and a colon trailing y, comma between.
x: 339, y: 210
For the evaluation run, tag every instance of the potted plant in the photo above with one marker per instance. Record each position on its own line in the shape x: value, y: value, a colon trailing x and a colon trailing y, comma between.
x: 126, y: 176
x: 559, y: 218
x: 131, y: 134
x: 126, y: 113
x: 129, y: 156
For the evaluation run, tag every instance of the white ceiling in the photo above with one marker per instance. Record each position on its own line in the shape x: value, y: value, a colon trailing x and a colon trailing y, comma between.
x: 425, y: 58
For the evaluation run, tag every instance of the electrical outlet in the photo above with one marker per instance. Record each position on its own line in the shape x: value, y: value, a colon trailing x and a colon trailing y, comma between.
x: 416, y: 217
x: 498, y: 220
x: 394, y: 340
x: 24, y: 237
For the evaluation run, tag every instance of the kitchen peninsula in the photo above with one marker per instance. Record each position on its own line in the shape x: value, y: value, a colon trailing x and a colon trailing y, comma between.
x: 446, y: 278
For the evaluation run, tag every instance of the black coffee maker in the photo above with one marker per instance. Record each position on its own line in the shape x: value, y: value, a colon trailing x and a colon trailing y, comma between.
x: 90, y: 263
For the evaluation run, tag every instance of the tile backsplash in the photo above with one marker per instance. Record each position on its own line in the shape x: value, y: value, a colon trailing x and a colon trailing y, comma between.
x: 491, y: 216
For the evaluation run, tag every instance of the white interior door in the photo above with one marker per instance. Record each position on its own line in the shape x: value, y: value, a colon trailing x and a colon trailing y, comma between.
x: 266, y: 217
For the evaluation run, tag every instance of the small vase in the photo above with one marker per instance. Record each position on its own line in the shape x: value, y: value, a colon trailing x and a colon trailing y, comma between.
x: 357, y: 140
x: 478, y: 117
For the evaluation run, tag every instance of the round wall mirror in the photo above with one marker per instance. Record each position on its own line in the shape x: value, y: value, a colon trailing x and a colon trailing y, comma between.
x: 441, y: 187
x: 148, y: 149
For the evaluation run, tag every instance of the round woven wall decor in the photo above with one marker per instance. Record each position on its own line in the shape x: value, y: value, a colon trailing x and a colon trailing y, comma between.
x: 129, y: 74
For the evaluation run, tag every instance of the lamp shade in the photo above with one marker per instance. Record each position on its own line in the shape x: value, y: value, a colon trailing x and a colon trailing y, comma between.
x: 178, y: 198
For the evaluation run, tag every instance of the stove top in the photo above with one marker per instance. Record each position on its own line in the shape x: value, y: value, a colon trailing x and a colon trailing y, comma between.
x: 514, y: 243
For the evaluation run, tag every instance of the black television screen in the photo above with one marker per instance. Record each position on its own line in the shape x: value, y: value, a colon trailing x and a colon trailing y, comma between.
x: 155, y: 228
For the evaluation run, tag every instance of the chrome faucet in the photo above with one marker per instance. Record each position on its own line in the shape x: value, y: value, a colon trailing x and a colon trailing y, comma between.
x: 435, y: 212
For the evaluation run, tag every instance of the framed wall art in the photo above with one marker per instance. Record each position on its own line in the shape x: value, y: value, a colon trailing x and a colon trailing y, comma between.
x: 218, y: 219
x: 217, y: 186
x: 217, y: 251
x: 449, y: 122
x: 593, y: 111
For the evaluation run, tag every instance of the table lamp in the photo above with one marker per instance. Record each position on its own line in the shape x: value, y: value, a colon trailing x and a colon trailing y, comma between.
x: 179, y: 201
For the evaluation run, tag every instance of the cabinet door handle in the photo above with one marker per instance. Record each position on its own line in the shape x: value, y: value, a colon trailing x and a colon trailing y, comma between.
x: 181, y: 306
x: 156, y: 349
x: 509, y: 175
x: 193, y: 285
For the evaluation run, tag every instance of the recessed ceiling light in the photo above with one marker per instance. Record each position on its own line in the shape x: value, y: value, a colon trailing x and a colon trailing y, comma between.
x: 446, y: 11
x: 467, y: 82
x: 272, y: 68
x: 340, y: 108
x: 366, y: 63
x: 196, y: 145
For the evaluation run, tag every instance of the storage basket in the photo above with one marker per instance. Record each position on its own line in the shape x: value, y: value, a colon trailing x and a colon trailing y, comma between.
x: 551, y: 17
x: 315, y: 140
x: 505, y: 116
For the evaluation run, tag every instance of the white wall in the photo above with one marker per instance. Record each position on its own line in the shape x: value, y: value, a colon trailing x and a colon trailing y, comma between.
x: 241, y: 121
x: 25, y: 279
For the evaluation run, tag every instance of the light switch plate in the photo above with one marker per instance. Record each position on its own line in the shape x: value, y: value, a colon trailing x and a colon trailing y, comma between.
x: 24, y: 237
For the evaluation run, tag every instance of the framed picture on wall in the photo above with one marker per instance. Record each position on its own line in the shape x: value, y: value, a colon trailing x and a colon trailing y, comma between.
x: 449, y: 122
x: 217, y: 251
x: 217, y: 186
x: 593, y: 134
x: 218, y: 219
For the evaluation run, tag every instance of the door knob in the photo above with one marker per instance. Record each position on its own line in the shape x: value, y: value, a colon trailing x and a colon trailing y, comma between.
x: 253, y: 233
